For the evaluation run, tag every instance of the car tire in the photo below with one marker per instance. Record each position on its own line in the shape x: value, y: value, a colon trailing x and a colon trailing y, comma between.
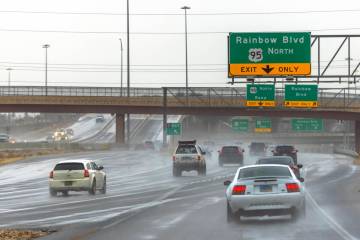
x: 103, y: 190
x: 230, y: 216
x: 52, y: 192
x: 202, y: 170
x: 296, y: 214
x: 65, y: 193
x: 92, y: 190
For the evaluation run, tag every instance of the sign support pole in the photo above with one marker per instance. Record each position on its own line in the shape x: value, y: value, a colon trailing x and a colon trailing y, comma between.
x: 164, y: 116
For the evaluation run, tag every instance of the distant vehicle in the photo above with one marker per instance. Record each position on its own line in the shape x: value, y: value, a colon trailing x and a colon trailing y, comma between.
x: 231, y: 154
x: 77, y: 175
x: 100, y: 119
x: 257, y: 148
x: 286, y: 150
x: 283, y: 160
x: 188, y: 156
x: 259, y: 190
x: 4, y: 138
x: 60, y: 135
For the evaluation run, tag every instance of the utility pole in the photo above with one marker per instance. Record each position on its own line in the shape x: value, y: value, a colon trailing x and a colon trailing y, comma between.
x: 9, y: 76
x: 128, y: 71
x: 46, y: 46
x: 121, y: 84
x: 185, y: 8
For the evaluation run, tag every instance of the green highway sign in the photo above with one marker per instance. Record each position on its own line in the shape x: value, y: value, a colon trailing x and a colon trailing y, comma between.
x: 240, y: 125
x: 272, y: 53
x: 173, y: 128
x: 260, y: 95
x: 263, y: 125
x: 301, y: 96
x: 307, y: 125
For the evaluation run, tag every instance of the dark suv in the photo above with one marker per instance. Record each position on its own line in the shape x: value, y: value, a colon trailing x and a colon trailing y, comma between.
x: 286, y: 150
x: 231, y: 154
x: 257, y: 148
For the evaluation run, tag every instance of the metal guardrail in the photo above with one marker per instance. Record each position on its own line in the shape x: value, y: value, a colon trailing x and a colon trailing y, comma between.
x: 226, y: 96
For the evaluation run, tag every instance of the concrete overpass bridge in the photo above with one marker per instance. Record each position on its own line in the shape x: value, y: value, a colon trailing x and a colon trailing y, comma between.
x: 334, y: 103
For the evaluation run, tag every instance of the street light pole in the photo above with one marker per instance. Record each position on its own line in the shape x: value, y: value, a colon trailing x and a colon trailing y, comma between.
x: 185, y: 8
x: 121, y: 49
x: 128, y: 70
x: 46, y: 46
x: 9, y: 77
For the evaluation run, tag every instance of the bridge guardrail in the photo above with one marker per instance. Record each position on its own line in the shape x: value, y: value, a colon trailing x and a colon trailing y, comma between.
x: 329, y: 98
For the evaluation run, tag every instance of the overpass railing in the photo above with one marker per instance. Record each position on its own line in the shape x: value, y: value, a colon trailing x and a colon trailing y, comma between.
x: 226, y: 96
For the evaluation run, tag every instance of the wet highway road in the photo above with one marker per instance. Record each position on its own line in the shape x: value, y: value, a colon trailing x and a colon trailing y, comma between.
x: 144, y: 201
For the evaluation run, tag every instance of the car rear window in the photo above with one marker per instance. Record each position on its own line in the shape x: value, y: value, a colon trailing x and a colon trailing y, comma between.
x: 264, y: 171
x: 285, y: 148
x: 230, y: 149
x: 257, y: 145
x: 186, y: 149
x: 282, y: 161
x: 69, y: 166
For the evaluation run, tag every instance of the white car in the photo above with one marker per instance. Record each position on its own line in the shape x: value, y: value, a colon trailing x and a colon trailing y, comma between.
x: 188, y: 156
x: 77, y: 175
x: 259, y: 190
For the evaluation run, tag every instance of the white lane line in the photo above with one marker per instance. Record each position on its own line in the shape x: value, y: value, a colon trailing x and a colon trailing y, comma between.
x: 333, y: 224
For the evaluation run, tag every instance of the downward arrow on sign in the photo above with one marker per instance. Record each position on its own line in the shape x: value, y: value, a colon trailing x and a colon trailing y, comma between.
x: 268, y: 69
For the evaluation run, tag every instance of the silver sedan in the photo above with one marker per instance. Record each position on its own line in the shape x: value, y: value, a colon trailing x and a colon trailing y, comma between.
x: 260, y: 190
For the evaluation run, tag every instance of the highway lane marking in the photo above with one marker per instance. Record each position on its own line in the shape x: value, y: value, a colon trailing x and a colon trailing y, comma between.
x: 332, y: 223
x: 165, y: 196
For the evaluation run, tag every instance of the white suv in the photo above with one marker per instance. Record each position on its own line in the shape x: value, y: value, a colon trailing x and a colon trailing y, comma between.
x: 188, y: 156
x: 77, y: 175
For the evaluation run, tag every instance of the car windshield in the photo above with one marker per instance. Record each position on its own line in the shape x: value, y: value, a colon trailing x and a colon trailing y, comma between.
x: 264, y: 171
x: 69, y: 166
x: 186, y: 149
x: 282, y: 161
x: 230, y: 149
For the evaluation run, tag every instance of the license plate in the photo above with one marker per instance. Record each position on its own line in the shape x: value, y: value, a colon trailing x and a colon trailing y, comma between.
x: 68, y: 183
x: 265, y: 188
x: 186, y: 158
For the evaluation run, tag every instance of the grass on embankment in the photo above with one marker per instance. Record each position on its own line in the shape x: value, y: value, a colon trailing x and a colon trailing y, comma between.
x: 12, y: 156
x: 11, y: 234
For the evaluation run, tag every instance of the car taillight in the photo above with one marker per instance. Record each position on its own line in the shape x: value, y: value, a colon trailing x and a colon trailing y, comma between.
x: 86, y: 173
x: 198, y: 157
x: 51, y: 174
x: 174, y: 158
x: 239, y: 190
x: 292, y: 187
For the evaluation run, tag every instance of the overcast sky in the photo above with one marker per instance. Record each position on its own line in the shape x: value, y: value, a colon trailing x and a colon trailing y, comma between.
x: 85, y: 48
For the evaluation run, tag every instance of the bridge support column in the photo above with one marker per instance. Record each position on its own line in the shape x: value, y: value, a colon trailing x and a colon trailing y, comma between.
x: 357, y: 136
x: 120, y: 128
